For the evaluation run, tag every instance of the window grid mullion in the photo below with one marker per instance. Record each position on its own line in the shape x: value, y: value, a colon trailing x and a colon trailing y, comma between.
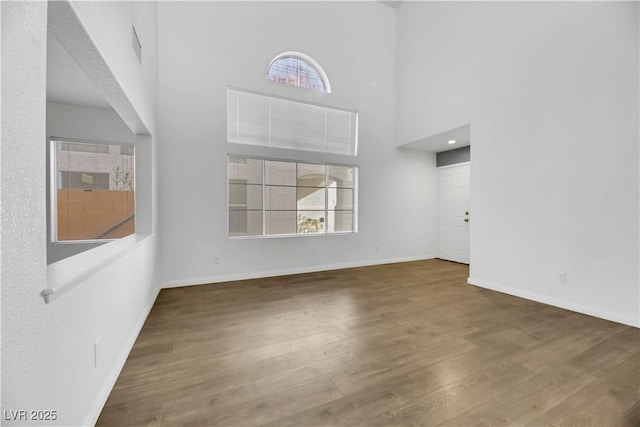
x: 297, y: 211
x: 302, y: 186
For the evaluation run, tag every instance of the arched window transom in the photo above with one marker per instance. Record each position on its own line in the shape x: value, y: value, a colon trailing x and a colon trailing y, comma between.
x: 298, y: 69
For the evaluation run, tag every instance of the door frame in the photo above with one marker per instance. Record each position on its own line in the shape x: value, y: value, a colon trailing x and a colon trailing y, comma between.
x: 438, y: 169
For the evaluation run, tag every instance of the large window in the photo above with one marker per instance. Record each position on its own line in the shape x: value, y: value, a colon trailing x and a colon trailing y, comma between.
x: 275, y: 197
x: 93, y: 191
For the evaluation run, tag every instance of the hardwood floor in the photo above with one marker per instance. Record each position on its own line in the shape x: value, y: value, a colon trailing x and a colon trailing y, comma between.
x: 395, y: 345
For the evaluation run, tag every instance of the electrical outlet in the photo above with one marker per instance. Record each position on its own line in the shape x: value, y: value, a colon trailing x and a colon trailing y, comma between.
x: 562, y: 278
x: 97, y: 352
x: 216, y: 260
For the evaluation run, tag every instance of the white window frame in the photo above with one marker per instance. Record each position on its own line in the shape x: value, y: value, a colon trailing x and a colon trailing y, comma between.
x: 306, y: 58
x: 263, y: 159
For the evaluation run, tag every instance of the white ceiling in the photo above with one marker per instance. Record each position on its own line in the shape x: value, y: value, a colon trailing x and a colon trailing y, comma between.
x: 439, y: 142
x: 66, y: 82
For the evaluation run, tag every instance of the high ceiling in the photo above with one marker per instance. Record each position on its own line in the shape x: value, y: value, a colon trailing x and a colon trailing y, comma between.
x: 440, y: 142
x: 68, y: 84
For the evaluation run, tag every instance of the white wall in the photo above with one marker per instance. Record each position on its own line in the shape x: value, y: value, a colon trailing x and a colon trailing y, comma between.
x: 551, y: 92
x: 109, y: 24
x: 206, y: 46
x: 23, y: 248
x: 47, y: 349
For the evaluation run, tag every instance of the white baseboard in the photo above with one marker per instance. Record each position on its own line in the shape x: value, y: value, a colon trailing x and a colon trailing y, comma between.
x: 100, y: 401
x: 193, y: 281
x: 557, y: 302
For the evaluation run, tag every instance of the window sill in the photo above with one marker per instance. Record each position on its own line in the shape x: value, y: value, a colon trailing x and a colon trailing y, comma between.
x: 94, y: 241
x: 282, y: 236
x: 65, y: 274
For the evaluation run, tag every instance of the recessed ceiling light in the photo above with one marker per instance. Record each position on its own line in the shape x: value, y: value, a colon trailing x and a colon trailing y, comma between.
x: 453, y: 141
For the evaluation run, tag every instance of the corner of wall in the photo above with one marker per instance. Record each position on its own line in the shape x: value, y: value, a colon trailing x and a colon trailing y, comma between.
x: 557, y: 302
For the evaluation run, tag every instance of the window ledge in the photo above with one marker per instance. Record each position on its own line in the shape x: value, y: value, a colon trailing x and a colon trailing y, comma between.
x: 65, y: 274
x: 75, y: 242
x: 281, y: 236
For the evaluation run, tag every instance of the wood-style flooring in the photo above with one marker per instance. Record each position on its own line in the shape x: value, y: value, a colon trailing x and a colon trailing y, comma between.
x: 407, y: 344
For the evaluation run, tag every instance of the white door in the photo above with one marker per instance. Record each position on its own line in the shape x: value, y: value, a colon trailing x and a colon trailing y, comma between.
x: 453, y: 212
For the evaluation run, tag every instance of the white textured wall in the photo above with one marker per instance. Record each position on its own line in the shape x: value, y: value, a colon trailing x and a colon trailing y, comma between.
x: 47, y: 349
x: 551, y: 92
x: 109, y: 24
x: 205, y: 46
x: 22, y: 173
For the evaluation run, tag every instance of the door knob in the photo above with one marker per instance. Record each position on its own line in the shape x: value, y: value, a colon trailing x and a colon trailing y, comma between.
x: 466, y: 220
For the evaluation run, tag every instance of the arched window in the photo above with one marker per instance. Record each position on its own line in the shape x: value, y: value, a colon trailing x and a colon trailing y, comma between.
x: 298, y: 69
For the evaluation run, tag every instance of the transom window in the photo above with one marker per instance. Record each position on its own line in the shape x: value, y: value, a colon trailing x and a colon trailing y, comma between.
x: 269, y: 121
x: 276, y: 197
x: 298, y: 69
x: 93, y: 190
